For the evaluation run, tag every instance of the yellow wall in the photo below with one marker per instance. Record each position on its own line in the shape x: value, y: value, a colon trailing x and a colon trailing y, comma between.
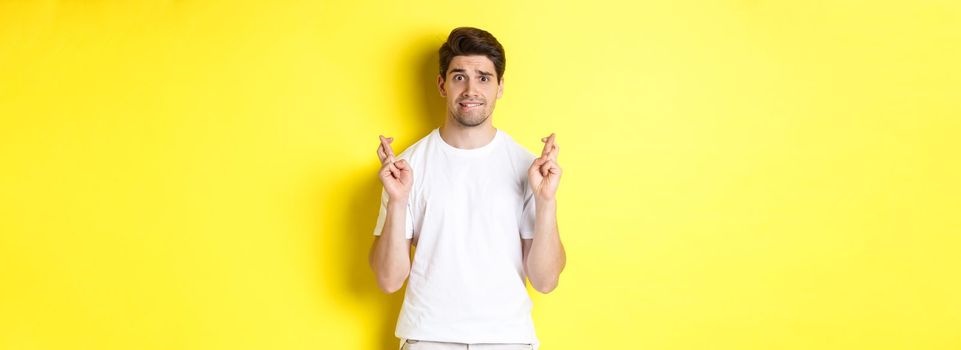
x: 738, y: 174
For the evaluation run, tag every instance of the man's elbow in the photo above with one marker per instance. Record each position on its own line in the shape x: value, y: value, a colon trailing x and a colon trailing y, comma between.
x: 544, y: 280
x: 390, y: 284
x: 390, y: 288
x: 545, y: 287
x: 389, y: 279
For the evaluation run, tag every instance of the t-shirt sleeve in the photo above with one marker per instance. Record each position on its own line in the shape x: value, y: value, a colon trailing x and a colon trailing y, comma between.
x: 528, y: 215
x: 382, y: 217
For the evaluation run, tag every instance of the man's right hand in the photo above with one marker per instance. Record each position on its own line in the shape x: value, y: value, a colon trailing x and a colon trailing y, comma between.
x: 396, y: 176
x: 390, y: 252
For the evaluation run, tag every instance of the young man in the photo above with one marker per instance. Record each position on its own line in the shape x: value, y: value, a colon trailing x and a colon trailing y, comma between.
x: 480, y: 209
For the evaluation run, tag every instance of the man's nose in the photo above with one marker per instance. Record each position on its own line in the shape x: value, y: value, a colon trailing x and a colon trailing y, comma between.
x: 470, y: 89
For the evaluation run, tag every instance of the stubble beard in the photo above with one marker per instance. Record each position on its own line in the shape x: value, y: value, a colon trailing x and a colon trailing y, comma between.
x: 470, y: 120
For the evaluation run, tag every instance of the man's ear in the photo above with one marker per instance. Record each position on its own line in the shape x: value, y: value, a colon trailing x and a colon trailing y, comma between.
x: 500, y: 89
x: 440, y: 86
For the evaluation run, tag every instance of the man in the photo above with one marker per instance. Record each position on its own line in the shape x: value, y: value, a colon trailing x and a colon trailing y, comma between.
x: 480, y: 209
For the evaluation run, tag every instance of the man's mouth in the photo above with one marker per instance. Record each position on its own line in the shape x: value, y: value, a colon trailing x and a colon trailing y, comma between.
x: 470, y: 104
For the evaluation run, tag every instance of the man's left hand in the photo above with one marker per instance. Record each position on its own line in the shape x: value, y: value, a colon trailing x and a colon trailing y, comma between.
x: 545, y: 174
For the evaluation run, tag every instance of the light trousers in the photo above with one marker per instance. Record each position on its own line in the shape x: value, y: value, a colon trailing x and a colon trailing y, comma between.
x: 412, y: 344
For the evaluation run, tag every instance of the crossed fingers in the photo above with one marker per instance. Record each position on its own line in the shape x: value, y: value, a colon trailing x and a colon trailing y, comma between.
x: 384, y: 151
x: 550, y: 147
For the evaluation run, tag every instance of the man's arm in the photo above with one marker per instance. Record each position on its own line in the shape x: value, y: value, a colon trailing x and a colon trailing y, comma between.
x: 544, y: 256
x: 390, y: 253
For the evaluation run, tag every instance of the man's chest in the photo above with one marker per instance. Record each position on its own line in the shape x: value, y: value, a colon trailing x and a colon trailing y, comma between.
x: 469, y: 193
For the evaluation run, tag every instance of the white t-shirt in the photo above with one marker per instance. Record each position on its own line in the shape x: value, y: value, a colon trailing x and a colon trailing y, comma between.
x: 467, y: 213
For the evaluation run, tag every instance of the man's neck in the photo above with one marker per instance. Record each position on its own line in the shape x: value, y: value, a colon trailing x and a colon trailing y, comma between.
x: 464, y: 137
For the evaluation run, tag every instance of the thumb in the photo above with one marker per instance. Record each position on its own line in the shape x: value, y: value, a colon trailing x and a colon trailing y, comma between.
x: 536, y: 166
x: 394, y: 170
x: 545, y: 168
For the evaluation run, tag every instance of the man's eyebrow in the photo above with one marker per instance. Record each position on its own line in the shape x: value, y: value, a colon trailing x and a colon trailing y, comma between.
x: 462, y: 70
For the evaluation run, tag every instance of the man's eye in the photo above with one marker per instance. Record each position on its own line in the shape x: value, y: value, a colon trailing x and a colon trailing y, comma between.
x: 458, y: 77
x: 485, y: 78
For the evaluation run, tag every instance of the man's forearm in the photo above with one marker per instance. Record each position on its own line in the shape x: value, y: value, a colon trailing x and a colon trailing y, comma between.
x: 546, y: 258
x: 390, y: 258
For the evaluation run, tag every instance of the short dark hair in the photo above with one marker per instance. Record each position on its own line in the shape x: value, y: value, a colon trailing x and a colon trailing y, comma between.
x: 467, y: 41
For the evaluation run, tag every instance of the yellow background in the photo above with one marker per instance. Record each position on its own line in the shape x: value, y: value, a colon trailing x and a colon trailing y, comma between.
x: 738, y: 174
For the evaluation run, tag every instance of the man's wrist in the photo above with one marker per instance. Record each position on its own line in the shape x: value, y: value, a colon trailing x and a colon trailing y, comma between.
x: 545, y: 201
x: 398, y: 202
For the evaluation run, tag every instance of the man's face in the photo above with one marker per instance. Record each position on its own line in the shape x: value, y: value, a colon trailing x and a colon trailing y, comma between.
x: 471, y: 88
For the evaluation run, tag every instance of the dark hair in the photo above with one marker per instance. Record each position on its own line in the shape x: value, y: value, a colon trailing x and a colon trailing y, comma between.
x: 466, y: 41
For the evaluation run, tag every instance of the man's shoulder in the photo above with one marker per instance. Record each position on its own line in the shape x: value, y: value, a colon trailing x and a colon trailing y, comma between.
x: 417, y: 148
x: 517, y: 150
